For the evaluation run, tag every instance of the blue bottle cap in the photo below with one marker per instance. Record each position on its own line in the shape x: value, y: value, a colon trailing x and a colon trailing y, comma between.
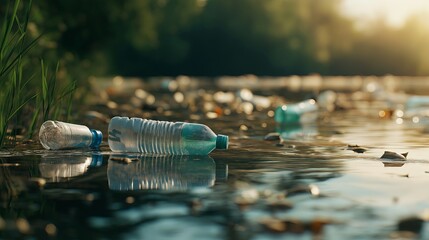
x: 222, y: 142
x: 97, y: 137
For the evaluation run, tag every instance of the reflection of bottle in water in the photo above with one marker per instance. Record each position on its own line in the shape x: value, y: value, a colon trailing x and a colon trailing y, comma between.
x: 393, y: 163
x: 168, y: 172
x: 302, y: 112
x: 221, y: 171
x: 61, y: 135
x: 60, y: 167
x: 297, y: 131
x: 148, y: 136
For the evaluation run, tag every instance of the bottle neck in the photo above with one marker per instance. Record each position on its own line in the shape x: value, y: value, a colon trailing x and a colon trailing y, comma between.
x: 97, y: 137
x: 221, y: 142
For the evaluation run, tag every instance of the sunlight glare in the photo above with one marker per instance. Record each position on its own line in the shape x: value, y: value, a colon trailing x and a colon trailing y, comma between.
x: 395, y: 12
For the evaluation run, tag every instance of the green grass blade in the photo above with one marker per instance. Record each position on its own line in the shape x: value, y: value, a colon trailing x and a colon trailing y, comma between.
x: 34, y: 119
x: 9, y: 24
x: 20, y: 54
x: 19, y: 107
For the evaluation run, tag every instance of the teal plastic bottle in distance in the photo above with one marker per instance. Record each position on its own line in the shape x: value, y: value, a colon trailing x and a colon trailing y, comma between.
x: 162, y: 137
x: 296, y: 113
x: 416, y: 106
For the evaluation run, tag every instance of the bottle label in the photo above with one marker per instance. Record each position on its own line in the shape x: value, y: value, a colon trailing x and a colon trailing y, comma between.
x: 114, y: 135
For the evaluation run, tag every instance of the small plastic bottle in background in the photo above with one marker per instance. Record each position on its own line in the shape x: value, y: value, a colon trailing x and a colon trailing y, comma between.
x: 416, y: 105
x: 60, y: 135
x: 302, y: 112
x: 162, y: 137
x: 415, y: 110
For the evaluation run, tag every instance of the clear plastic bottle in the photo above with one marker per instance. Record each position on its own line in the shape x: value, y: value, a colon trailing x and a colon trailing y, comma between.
x: 162, y: 137
x: 60, y: 135
x: 302, y: 112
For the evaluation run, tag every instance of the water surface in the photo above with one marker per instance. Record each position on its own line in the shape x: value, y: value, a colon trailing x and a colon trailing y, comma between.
x: 307, y: 186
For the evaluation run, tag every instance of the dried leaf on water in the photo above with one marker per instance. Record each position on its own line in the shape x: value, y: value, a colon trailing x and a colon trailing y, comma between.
x: 394, y: 155
x: 276, y: 225
x: 357, y: 148
x: 124, y: 160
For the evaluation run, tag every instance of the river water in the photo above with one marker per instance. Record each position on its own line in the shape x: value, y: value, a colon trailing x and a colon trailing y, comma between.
x: 309, y: 184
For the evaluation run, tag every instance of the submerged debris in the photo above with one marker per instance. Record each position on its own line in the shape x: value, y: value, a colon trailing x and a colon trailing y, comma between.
x: 412, y: 224
x: 276, y: 225
x: 279, y: 204
x: 300, y: 189
x: 394, y: 155
x: 356, y: 148
x: 247, y: 197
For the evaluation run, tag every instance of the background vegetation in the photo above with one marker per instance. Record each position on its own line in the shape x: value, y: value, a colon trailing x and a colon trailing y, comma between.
x: 222, y: 37
x: 30, y: 91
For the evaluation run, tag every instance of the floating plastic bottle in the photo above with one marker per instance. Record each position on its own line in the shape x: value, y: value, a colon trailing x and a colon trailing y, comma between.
x: 162, y: 172
x: 60, y: 135
x: 302, y: 112
x: 162, y: 137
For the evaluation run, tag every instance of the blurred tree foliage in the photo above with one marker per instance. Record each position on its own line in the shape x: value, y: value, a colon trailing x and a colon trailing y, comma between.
x: 224, y: 37
x: 274, y: 37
